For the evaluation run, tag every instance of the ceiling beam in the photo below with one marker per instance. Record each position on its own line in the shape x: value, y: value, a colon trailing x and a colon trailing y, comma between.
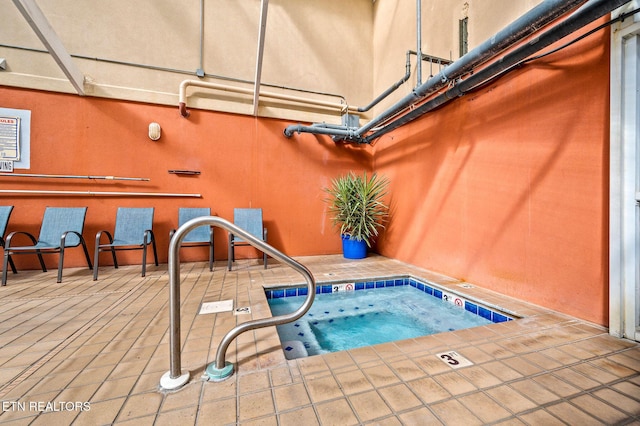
x: 258, y: 76
x: 40, y: 25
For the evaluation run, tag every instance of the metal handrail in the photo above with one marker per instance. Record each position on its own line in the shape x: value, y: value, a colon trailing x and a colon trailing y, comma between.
x: 175, y: 378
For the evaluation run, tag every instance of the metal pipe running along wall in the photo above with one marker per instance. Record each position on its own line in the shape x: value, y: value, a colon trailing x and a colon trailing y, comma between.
x: 591, y: 11
x: 540, y: 16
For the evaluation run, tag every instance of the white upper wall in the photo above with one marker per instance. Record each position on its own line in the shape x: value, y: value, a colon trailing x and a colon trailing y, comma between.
x: 351, y: 49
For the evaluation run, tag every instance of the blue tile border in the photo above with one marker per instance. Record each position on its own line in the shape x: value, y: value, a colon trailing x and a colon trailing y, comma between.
x: 473, y: 307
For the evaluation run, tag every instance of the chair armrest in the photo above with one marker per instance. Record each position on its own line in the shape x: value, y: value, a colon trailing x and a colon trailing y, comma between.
x: 147, y: 233
x: 63, y: 238
x: 7, y: 241
x: 99, y: 236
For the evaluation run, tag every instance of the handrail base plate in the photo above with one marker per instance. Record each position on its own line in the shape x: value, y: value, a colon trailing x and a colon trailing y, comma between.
x: 168, y: 383
x: 219, y: 374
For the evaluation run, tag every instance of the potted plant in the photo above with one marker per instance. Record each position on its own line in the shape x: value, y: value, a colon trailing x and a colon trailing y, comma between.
x: 357, y: 206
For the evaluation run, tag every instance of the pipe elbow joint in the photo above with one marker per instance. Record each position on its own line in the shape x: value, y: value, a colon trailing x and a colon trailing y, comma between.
x: 290, y: 130
x: 183, y: 110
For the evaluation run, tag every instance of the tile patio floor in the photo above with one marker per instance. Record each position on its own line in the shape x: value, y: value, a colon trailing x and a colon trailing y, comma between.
x: 93, y: 353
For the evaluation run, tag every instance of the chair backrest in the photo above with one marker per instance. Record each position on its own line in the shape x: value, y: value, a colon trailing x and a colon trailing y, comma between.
x: 199, y: 234
x: 5, y: 212
x: 250, y: 220
x: 57, y: 221
x: 131, y: 222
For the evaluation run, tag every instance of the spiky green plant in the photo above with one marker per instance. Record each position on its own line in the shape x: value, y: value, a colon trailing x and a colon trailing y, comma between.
x: 357, y: 206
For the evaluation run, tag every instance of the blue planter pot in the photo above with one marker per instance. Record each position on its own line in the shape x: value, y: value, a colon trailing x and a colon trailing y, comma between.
x: 353, y: 249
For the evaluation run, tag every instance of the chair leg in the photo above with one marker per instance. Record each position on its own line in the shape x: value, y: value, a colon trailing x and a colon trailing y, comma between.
x: 155, y: 252
x: 44, y: 268
x: 86, y: 254
x: 13, y: 265
x: 4, y: 268
x: 144, y: 259
x: 96, y: 259
x: 211, y: 257
x: 264, y: 259
x: 60, y: 263
x: 230, y: 256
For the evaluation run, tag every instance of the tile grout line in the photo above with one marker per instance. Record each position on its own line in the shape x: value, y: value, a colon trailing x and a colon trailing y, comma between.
x: 34, y: 367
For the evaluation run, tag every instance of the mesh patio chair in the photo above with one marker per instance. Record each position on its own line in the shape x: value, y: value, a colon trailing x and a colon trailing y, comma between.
x: 133, y: 231
x: 198, y: 237
x: 249, y: 220
x: 5, y: 213
x: 61, y: 229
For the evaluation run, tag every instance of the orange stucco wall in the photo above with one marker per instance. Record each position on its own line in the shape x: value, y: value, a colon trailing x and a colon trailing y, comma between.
x: 244, y: 162
x: 508, y: 187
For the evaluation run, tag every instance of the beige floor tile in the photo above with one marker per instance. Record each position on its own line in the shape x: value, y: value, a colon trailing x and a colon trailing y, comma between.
x: 614, y: 368
x: 419, y: 417
x: 336, y: 413
x: 381, y: 375
x: 522, y: 366
x: 572, y: 415
x: 188, y: 396
x: 510, y: 399
x: 541, y: 417
x: 183, y: 417
x: 428, y: 390
x: 369, y: 406
x: 576, y: 379
x: 406, y: 369
x: 598, y: 409
x: 100, y: 413
x: 256, y: 404
x: 432, y: 364
x: 556, y: 385
x: 323, y: 389
x: 140, y: 405
x: 622, y: 402
x: 114, y: 388
x: 291, y: 396
x: 454, y: 383
x: 113, y: 349
x: 263, y: 421
x: 353, y: 381
x: 303, y: 416
x: 252, y: 382
x: 281, y: 376
x: 484, y: 407
x: 595, y: 373
x: 399, y: 397
x: 479, y: 377
x: 454, y: 413
x: 222, y: 411
x: 538, y: 394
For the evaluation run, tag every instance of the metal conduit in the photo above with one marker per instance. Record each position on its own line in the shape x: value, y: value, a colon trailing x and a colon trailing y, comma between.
x: 97, y: 193
x: 220, y: 369
x: 527, y: 24
x: 541, y: 15
x: 216, y: 86
x: 591, y: 11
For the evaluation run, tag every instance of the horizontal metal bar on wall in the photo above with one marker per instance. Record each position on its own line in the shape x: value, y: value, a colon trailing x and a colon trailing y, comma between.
x: 96, y: 193
x: 49, y: 176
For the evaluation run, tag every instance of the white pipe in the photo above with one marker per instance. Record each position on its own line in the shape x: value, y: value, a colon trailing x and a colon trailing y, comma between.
x: 116, y: 193
x: 234, y: 89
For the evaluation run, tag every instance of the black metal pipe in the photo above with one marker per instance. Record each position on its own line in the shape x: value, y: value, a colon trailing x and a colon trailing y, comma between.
x: 591, y: 11
x: 527, y: 24
x: 391, y: 89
